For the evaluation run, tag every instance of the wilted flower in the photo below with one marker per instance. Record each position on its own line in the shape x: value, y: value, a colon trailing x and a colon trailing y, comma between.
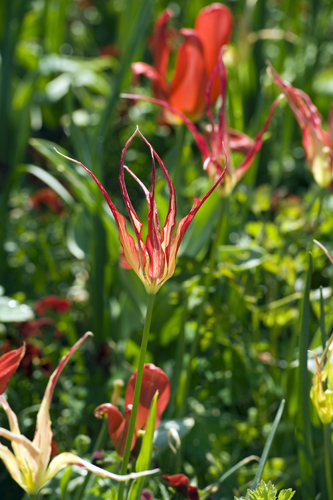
x: 154, y: 379
x: 217, y: 140
x: 197, y: 57
x: 53, y: 302
x: 8, y: 365
x: 29, y: 464
x: 154, y: 261
x: 318, y: 144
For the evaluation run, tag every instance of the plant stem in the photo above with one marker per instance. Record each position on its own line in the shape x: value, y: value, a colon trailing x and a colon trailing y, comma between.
x: 137, y: 390
x: 98, y: 445
x: 328, y: 460
x: 208, y: 282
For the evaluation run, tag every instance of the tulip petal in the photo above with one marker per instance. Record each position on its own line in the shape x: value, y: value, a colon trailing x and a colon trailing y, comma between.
x: 160, y: 43
x: 117, y: 425
x: 246, y: 163
x: 43, y: 435
x: 159, y: 85
x: 187, y: 90
x: 213, y: 25
x: 179, y: 482
x: 184, y: 223
x: 25, y: 451
x: 12, y: 466
x: 126, y: 240
x: 153, y: 379
x: 65, y: 459
x: 8, y: 365
x: 240, y: 142
x: 199, y: 138
x: 324, y: 249
x: 136, y: 223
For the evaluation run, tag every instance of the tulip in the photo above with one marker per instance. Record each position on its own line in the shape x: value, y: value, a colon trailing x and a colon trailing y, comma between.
x: 197, y: 57
x: 58, y: 304
x: 154, y: 379
x: 181, y: 484
x: 323, y: 400
x: 8, y: 365
x: 317, y: 143
x: 29, y: 464
x: 217, y: 141
x: 154, y: 261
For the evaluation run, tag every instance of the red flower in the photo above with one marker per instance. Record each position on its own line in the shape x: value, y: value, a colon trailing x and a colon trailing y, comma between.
x: 58, y: 304
x: 318, y: 143
x: 8, y: 365
x: 181, y: 483
x: 197, y: 57
x: 215, y: 144
x: 33, y: 327
x: 154, y: 261
x: 154, y: 379
x: 48, y: 198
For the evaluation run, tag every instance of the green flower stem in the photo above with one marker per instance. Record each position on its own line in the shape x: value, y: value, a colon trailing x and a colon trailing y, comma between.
x: 137, y: 390
x: 208, y: 282
x: 98, y: 445
x: 328, y: 460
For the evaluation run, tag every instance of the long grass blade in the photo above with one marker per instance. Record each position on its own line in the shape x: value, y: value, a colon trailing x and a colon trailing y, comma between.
x: 268, y: 445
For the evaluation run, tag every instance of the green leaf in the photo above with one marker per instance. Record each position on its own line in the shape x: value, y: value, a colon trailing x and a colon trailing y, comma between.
x: 268, y: 492
x: 12, y: 310
x: 303, y: 425
x: 50, y: 180
x: 144, y: 458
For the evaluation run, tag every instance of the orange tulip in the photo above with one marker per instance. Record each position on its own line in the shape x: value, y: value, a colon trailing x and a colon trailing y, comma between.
x: 318, y: 144
x: 155, y: 260
x: 197, y: 57
x: 154, y: 379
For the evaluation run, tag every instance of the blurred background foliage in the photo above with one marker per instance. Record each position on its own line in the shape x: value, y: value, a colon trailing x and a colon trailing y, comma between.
x: 63, y: 66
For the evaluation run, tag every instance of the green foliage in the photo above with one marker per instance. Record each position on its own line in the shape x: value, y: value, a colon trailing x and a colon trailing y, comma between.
x: 268, y: 492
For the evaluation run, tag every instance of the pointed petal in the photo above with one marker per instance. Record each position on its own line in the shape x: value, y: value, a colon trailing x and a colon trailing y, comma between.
x: 26, y: 453
x: 247, y: 162
x: 43, y: 435
x: 160, y: 43
x: 125, y: 239
x: 324, y: 249
x: 136, y: 223
x: 170, y: 220
x: 213, y: 26
x: 65, y: 459
x: 12, y: 466
x: 159, y: 84
x: 117, y: 425
x: 8, y: 365
x: 199, y: 138
x: 185, y: 222
x: 153, y: 379
x: 187, y: 90
x: 240, y: 142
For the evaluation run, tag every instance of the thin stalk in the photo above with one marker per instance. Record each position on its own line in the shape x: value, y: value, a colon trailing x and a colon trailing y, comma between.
x: 137, y: 390
x: 208, y: 282
x: 326, y: 428
x: 98, y: 445
x: 328, y: 460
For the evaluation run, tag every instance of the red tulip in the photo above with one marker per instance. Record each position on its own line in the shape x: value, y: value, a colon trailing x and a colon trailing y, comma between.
x: 154, y: 379
x: 8, y: 365
x: 58, y: 304
x: 318, y: 143
x: 154, y: 261
x: 197, y: 57
x: 181, y: 483
x: 216, y: 143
